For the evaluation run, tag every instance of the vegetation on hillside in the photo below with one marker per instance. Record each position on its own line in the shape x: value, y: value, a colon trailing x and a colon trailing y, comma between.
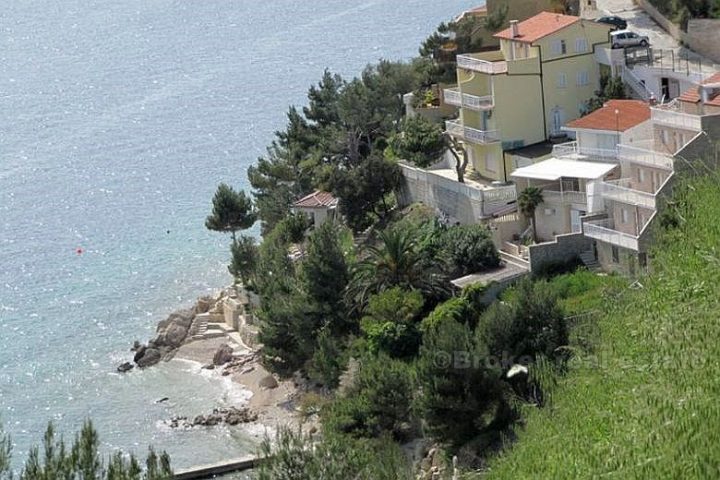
x: 642, y: 404
x: 81, y: 460
x: 680, y: 11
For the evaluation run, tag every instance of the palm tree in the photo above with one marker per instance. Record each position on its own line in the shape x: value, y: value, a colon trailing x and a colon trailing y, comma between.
x: 528, y: 200
x: 395, y: 262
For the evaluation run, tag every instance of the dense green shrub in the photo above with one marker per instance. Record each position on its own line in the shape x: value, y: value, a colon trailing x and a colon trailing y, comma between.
x: 378, y: 403
x: 390, y: 322
x: 460, y: 389
x: 295, y: 456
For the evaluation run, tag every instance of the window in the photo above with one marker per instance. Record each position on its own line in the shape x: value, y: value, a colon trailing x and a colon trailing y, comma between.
x: 664, y: 136
x: 583, y: 78
x: 615, y: 254
x: 581, y: 45
x: 624, y: 217
x: 642, y: 259
x: 561, y: 80
x: 559, y: 47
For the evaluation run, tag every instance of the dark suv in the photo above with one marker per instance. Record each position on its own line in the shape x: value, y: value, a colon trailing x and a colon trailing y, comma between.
x: 615, y: 21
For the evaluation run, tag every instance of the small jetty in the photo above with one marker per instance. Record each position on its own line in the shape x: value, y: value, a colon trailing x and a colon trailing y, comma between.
x: 212, y: 469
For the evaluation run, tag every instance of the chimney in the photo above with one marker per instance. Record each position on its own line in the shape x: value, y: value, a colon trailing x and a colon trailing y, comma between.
x: 514, y: 33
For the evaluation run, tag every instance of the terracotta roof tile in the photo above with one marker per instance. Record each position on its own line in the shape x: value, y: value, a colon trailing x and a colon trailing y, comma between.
x: 692, y: 95
x: 539, y: 26
x: 630, y: 114
x: 317, y: 199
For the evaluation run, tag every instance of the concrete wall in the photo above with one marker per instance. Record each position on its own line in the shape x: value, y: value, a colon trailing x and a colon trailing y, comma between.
x: 627, y: 264
x: 563, y: 249
x: 461, y: 202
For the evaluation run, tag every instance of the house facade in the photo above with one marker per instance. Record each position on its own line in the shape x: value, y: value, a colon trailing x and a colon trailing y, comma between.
x: 525, y: 92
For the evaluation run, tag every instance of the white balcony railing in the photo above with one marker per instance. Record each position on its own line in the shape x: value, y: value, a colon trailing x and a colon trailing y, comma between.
x: 553, y: 196
x: 599, y: 230
x: 646, y: 157
x: 572, y: 149
x: 453, y: 96
x: 622, y: 191
x: 669, y: 115
x: 483, y: 66
x: 472, y: 135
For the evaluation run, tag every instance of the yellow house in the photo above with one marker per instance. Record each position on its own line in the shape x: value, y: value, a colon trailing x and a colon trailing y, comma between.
x: 522, y: 94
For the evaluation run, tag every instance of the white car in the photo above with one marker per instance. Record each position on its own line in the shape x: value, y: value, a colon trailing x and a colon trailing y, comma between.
x: 627, y: 38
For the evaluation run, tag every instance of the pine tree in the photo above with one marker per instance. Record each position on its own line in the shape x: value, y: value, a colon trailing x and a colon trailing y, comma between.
x: 232, y: 211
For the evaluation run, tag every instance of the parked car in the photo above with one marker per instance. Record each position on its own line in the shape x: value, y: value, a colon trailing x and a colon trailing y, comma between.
x: 617, y: 22
x: 626, y: 38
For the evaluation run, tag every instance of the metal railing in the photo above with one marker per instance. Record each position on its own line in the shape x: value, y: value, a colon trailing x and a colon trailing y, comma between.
x: 634, y: 82
x: 483, y: 66
x: 622, y: 191
x: 599, y: 230
x: 453, y: 96
x: 569, y: 149
x: 472, y: 135
x: 647, y: 157
x: 554, y: 196
x: 669, y: 114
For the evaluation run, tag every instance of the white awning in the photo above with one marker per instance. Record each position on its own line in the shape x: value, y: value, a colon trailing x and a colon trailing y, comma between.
x: 554, y: 169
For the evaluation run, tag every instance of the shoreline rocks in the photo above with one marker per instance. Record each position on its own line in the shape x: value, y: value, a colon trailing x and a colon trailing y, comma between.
x: 229, y: 416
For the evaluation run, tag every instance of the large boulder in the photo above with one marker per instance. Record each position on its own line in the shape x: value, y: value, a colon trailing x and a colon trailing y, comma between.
x: 173, y: 330
x: 173, y: 335
x: 268, y: 382
x: 223, y: 355
x: 149, y: 357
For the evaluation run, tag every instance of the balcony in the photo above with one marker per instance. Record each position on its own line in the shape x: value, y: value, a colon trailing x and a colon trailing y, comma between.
x: 576, y: 152
x: 645, y: 157
x: 554, y: 196
x: 622, y: 191
x: 671, y: 116
x: 453, y: 96
x: 601, y: 230
x: 472, y: 135
x: 490, y: 66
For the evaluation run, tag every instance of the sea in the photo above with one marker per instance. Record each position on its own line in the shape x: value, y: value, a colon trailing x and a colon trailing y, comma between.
x: 118, y: 118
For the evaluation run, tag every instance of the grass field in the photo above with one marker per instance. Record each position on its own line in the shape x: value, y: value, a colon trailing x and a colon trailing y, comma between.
x: 646, y: 402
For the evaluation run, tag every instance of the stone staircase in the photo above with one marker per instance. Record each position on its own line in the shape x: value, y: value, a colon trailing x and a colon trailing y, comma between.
x: 588, y: 259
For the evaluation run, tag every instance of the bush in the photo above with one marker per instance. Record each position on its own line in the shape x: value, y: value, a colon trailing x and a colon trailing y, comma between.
x: 469, y: 249
x: 390, y: 322
x: 460, y: 392
x: 377, y: 404
x: 294, y: 456
x: 532, y: 325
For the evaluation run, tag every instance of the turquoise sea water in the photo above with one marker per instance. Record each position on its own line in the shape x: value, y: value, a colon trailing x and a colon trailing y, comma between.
x: 118, y: 119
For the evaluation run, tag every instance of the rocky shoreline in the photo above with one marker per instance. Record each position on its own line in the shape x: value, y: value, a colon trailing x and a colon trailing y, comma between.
x: 213, y: 333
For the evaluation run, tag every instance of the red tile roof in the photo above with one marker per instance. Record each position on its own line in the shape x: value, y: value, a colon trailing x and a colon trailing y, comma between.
x: 692, y: 95
x: 317, y: 199
x: 630, y: 113
x: 539, y: 26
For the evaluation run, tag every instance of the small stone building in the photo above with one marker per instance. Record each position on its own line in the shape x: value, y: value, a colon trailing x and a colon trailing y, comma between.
x: 319, y: 206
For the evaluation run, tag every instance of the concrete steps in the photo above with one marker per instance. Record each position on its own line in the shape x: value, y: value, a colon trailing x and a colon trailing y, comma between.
x: 588, y: 259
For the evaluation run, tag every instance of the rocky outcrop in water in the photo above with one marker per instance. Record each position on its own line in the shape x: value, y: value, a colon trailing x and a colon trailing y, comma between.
x: 171, y: 333
x: 223, y: 355
x: 125, y: 367
x: 228, y: 416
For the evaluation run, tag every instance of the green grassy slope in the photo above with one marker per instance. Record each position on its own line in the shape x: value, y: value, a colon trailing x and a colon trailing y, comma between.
x: 648, y: 405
